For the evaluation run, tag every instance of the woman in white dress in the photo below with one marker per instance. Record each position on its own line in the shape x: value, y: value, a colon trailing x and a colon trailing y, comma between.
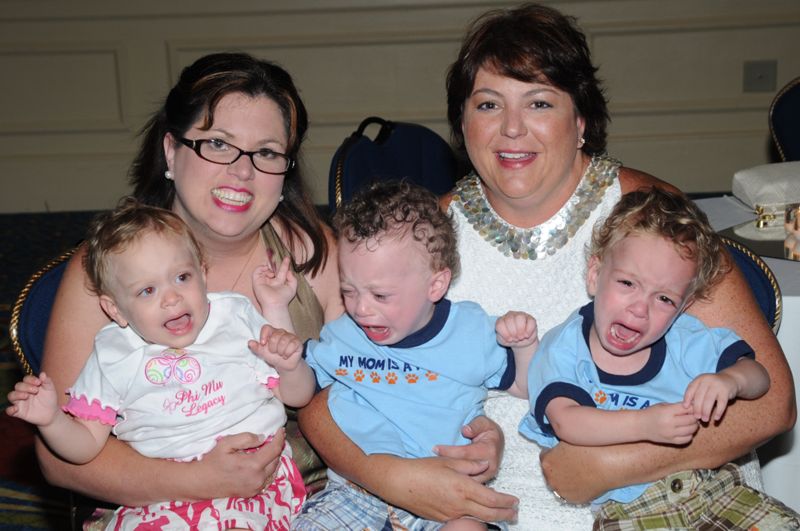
x: 526, y: 107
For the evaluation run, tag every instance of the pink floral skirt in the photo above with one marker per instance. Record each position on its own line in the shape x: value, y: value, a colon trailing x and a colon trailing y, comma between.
x: 271, y: 510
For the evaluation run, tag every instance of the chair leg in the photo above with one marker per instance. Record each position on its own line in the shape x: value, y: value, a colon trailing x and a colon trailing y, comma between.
x: 74, y: 525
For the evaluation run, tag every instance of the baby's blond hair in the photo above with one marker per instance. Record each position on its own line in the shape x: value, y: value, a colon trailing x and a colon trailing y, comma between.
x: 674, y: 217
x: 112, y: 232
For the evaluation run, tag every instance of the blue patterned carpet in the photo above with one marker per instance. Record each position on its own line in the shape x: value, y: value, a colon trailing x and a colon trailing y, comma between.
x: 32, y: 507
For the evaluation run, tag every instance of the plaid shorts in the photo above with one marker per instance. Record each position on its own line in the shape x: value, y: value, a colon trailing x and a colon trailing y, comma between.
x: 712, y: 500
x: 344, y: 505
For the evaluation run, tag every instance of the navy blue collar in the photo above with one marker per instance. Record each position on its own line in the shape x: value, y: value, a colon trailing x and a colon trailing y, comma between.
x: 441, y: 311
x: 658, y: 353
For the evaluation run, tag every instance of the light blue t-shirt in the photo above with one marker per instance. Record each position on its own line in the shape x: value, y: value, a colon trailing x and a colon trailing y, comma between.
x: 563, y: 367
x: 405, y: 398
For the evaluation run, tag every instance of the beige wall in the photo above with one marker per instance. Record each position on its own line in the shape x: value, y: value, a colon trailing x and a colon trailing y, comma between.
x: 78, y: 79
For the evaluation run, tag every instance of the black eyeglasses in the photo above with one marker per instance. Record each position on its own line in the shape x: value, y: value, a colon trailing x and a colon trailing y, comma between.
x: 220, y: 152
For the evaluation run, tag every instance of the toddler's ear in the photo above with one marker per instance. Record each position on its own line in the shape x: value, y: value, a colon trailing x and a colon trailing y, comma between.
x: 204, y: 272
x: 110, y: 307
x: 440, y: 282
x: 592, y: 272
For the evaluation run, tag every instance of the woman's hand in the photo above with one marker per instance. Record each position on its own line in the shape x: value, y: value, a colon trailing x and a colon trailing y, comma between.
x: 439, y: 488
x: 231, y: 469
x: 436, y: 488
x: 564, y: 465
x: 485, y: 450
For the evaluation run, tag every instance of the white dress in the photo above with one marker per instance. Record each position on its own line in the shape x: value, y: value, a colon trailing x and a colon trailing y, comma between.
x: 176, y: 403
x: 549, y: 288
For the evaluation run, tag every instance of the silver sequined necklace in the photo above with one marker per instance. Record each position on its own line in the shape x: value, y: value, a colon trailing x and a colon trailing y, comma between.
x: 552, y: 235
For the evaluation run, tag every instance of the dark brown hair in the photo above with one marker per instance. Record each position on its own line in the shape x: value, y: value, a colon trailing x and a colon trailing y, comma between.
x: 396, y: 208
x: 195, y: 97
x: 530, y: 43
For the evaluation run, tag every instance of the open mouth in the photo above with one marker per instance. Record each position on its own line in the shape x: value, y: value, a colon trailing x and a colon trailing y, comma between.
x: 179, y: 325
x: 376, y: 333
x: 623, y: 336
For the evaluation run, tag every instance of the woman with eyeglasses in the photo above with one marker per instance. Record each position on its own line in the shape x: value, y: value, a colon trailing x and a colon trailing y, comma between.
x: 221, y: 153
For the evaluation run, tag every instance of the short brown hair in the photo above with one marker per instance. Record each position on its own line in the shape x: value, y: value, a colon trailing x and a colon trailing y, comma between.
x: 396, y: 208
x: 112, y: 232
x: 530, y: 43
x: 672, y: 216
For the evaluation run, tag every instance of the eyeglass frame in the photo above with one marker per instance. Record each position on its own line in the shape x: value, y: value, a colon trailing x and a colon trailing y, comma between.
x: 196, y: 145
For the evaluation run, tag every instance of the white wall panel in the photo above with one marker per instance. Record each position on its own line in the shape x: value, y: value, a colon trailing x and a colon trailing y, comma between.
x: 79, y: 79
x: 61, y: 88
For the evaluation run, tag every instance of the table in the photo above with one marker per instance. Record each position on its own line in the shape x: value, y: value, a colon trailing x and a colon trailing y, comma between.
x: 780, y: 458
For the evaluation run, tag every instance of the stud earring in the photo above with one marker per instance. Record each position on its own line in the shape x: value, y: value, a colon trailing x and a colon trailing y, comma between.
x: 280, y: 198
x: 168, y: 175
x: 581, y: 142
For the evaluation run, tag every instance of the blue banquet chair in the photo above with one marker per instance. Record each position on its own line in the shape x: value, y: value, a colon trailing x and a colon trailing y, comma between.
x: 784, y: 121
x: 31, y: 313
x: 398, y: 151
x: 27, y: 327
x: 761, y: 280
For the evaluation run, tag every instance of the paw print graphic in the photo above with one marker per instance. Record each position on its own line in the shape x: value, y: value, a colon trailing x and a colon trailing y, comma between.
x: 359, y: 375
x: 600, y: 397
x: 375, y: 377
x: 391, y: 378
x: 412, y: 378
x: 341, y: 372
x: 431, y: 375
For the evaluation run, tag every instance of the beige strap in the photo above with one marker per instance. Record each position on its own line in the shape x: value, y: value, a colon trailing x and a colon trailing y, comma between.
x: 305, y: 309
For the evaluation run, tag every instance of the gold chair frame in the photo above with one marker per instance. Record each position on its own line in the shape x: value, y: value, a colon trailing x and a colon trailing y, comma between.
x: 773, y: 282
x: 16, y: 311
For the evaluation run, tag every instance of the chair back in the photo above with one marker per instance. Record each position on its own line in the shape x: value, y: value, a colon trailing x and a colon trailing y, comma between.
x: 761, y: 280
x: 399, y: 151
x: 784, y: 121
x: 29, y: 318
x: 31, y: 313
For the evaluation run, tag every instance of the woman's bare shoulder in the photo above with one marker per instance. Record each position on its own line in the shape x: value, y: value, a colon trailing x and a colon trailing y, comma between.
x: 74, y: 290
x: 631, y: 179
x: 75, y: 319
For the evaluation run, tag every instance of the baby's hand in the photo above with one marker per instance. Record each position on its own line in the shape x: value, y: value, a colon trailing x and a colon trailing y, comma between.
x: 34, y: 400
x: 710, y: 392
x: 669, y: 423
x: 516, y: 329
x: 274, y: 286
x: 281, y: 349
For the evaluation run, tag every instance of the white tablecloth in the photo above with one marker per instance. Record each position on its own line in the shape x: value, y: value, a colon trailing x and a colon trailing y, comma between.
x: 780, y: 457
